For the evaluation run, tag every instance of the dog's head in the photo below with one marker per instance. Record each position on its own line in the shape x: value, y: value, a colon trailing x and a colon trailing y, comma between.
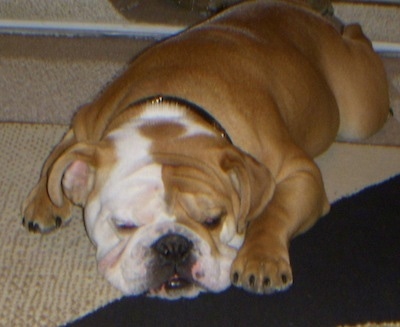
x: 166, y: 207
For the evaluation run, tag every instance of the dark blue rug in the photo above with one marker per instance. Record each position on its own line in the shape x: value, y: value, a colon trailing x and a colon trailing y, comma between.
x: 346, y: 270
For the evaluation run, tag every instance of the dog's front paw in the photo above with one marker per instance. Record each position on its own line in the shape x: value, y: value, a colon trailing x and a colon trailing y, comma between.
x: 262, y: 270
x: 40, y: 215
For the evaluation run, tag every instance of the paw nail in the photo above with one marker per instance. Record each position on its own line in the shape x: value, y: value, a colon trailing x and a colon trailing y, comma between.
x: 23, y: 221
x: 32, y: 227
x: 235, y: 278
x: 252, y: 280
x: 284, y: 279
x: 267, y: 282
x: 58, y: 222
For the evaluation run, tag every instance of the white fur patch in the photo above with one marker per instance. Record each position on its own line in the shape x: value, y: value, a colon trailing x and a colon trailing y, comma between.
x: 133, y: 193
x: 135, y: 189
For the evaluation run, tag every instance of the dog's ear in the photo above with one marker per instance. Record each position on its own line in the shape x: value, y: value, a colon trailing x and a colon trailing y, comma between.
x: 252, y: 181
x: 72, y: 175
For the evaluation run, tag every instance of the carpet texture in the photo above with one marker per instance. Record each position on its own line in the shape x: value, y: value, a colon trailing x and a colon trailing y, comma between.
x: 44, y: 280
x: 346, y: 270
x: 52, y: 279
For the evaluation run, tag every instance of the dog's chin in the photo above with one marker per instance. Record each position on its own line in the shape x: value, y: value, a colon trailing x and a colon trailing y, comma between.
x: 176, y: 287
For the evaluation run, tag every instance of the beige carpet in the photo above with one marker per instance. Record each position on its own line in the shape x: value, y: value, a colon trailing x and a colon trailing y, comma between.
x: 44, y: 280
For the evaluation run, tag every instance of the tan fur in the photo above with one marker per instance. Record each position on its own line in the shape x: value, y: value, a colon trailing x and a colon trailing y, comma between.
x: 283, y: 82
x: 163, y: 130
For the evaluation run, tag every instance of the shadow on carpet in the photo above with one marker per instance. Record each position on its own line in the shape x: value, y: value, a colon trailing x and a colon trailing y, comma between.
x: 346, y: 270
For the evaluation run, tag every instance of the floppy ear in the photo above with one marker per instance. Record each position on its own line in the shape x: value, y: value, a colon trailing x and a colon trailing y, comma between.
x: 253, y: 182
x: 72, y: 175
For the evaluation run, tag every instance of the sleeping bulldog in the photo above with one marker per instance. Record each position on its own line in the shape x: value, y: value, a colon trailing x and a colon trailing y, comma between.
x: 195, y: 167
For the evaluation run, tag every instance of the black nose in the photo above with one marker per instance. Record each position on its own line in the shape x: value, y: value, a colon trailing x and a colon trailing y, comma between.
x: 173, y: 248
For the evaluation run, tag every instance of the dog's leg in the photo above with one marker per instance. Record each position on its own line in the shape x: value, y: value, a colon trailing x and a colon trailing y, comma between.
x: 363, y: 96
x: 39, y: 213
x: 262, y: 264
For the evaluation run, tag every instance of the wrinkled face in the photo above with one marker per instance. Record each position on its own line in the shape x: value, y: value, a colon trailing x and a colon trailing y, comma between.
x: 150, y: 243
x: 166, y: 202
x: 163, y: 222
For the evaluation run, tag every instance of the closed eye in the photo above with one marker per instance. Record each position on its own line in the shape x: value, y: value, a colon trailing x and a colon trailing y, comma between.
x: 122, y: 225
x: 214, y: 221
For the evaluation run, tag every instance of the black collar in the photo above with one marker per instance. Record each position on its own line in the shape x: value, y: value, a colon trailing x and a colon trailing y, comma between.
x: 158, y: 99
